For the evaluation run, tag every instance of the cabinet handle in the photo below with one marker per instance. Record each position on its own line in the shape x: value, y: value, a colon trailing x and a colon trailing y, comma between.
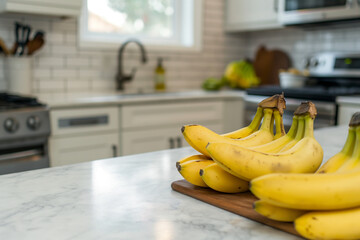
x: 276, y: 5
x: 114, y: 149
x: 172, y: 143
x: 179, y: 142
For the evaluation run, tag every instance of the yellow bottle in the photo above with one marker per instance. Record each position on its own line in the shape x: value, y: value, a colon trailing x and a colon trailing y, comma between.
x: 160, y: 76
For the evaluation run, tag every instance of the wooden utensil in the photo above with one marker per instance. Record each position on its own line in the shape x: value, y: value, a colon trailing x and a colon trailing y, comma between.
x: 35, y: 44
x: 267, y: 64
x: 3, y: 48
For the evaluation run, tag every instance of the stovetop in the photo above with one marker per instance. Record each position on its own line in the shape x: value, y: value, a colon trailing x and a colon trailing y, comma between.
x: 12, y: 101
x: 320, y: 93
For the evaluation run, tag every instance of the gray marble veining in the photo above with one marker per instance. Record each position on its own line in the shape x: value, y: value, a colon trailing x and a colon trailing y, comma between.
x: 123, y: 198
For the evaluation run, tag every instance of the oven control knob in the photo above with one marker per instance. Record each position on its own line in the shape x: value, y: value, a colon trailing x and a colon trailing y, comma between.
x: 314, y: 62
x: 11, y: 125
x: 33, y: 122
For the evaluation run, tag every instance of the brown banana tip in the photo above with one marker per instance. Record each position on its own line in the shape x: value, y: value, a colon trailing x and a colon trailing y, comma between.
x: 306, y: 108
x: 275, y: 102
x: 207, y: 145
x: 201, y: 172
x: 178, y: 166
x: 355, y: 120
x: 182, y: 129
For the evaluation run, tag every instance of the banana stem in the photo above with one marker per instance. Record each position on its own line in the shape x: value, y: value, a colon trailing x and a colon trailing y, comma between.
x: 349, y: 143
x: 255, y: 123
x: 309, y: 126
x: 272, y: 123
x: 294, y: 126
x: 267, y: 120
x: 300, y: 129
x: 279, y: 126
x: 356, y: 153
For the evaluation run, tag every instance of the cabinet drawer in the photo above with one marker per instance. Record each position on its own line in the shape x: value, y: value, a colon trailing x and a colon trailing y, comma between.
x: 79, y: 149
x: 140, y: 141
x: 172, y: 113
x: 84, y: 120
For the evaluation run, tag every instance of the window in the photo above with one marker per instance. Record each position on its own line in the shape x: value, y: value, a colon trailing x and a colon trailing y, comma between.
x: 157, y: 23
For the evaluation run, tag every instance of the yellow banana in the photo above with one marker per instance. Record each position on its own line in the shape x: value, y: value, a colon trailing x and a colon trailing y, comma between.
x: 198, y: 136
x: 340, y: 224
x: 190, y: 171
x: 339, y: 159
x: 305, y: 157
x: 220, y: 180
x: 192, y: 157
x: 276, y: 145
x: 246, y: 131
x: 309, y: 191
x: 277, y: 213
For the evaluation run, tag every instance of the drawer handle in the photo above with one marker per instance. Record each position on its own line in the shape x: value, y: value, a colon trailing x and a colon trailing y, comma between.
x: 171, y: 143
x: 179, y: 142
x: 114, y: 149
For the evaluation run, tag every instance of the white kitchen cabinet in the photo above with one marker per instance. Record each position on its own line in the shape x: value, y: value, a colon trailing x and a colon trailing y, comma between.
x: 152, y: 127
x: 244, y: 15
x: 155, y: 139
x: 42, y: 7
x: 345, y: 113
x: 79, y: 149
x: 83, y: 134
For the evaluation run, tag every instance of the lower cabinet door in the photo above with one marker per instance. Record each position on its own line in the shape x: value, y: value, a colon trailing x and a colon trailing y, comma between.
x: 141, y: 141
x: 70, y: 150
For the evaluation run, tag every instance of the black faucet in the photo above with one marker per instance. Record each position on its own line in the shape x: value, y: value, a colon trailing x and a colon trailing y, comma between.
x: 121, y: 77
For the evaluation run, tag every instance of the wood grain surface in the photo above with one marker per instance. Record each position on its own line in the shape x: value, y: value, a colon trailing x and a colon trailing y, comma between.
x: 239, y: 203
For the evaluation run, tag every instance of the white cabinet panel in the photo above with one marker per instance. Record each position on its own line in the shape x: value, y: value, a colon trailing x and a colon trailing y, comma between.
x: 43, y: 7
x: 83, y: 148
x: 345, y: 113
x: 157, y: 139
x: 171, y: 113
x: 244, y: 15
x: 84, y: 120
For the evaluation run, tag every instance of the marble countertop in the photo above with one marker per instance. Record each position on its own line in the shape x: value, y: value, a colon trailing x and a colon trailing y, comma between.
x: 56, y: 101
x: 124, y: 198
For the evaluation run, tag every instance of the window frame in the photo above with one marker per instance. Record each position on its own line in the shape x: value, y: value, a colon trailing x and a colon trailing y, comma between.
x: 88, y: 41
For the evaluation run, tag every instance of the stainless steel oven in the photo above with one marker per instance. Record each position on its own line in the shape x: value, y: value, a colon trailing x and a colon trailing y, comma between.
x: 293, y: 12
x: 24, y: 132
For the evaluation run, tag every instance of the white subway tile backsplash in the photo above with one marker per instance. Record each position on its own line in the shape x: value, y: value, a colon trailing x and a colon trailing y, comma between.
x: 73, y: 62
x: 65, y: 73
x: 51, y: 62
x: 42, y: 73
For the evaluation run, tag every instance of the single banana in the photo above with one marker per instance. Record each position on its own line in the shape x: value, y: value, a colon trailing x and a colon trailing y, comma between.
x: 305, y: 157
x: 192, y: 157
x: 277, y: 213
x: 342, y: 157
x: 309, y: 191
x: 190, y: 171
x: 198, y: 136
x: 299, y: 135
x: 340, y: 224
x: 220, y: 180
x: 276, y: 145
x: 246, y: 131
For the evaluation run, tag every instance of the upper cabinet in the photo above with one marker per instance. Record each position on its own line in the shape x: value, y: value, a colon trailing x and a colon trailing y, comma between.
x: 66, y: 8
x: 244, y: 15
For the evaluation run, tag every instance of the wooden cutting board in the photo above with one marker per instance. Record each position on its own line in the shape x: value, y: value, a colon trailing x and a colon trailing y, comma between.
x: 240, y: 203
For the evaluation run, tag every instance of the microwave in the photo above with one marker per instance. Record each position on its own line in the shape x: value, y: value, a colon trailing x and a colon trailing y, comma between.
x: 295, y: 12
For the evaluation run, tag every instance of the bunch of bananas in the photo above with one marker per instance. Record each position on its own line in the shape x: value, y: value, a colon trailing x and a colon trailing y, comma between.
x: 228, y: 162
x: 324, y: 205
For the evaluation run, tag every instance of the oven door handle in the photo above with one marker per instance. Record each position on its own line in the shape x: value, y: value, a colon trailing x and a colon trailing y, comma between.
x: 21, y: 155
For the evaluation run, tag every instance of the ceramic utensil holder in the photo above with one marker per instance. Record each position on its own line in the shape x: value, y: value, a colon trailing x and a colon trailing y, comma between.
x: 18, y: 73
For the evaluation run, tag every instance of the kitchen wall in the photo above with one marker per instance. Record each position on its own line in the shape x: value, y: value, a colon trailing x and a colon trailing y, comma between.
x: 300, y: 42
x: 61, y: 67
